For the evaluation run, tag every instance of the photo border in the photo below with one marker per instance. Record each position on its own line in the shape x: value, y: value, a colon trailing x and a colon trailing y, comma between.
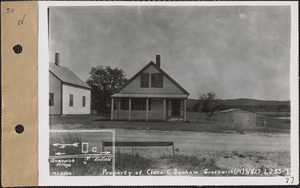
x: 43, y: 58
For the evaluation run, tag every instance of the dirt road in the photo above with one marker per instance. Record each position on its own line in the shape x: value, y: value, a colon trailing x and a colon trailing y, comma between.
x: 196, y: 141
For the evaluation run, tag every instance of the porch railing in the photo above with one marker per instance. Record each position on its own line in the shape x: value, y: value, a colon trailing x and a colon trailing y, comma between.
x: 137, y: 115
x: 121, y: 114
x: 155, y: 115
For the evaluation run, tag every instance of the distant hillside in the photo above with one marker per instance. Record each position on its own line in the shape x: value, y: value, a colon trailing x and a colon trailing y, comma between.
x: 241, y: 102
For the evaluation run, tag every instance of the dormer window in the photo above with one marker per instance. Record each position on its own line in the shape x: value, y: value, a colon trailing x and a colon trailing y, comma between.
x: 145, y: 80
x: 157, y: 80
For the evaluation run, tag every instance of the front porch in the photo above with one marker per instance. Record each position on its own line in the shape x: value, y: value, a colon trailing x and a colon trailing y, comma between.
x: 148, y: 109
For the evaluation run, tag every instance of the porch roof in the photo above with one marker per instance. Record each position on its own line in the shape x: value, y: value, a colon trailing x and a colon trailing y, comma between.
x: 149, y: 95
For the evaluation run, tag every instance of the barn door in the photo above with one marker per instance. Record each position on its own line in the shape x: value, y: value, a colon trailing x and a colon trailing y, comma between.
x: 241, y: 119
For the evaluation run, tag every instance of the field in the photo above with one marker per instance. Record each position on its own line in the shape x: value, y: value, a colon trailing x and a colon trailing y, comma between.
x: 196, y: 123
x: 160, y: 161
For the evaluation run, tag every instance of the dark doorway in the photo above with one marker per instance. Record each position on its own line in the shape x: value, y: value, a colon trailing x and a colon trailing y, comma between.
x: 176, y: 107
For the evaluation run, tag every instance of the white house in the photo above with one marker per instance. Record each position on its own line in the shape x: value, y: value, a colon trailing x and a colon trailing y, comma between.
x: 150, y: 95
x: 68, y: 94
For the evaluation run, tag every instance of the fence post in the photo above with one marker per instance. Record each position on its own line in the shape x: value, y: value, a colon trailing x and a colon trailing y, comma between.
x: 173, y: 148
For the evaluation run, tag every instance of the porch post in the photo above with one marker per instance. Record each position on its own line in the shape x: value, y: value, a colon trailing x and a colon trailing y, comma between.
x: 164, y: 111
x: 119, y: 107
x: 170, y: 108
x: 112, y: 109
x: 129, y: 109
x: 146, y: 109
x: 184, y: 110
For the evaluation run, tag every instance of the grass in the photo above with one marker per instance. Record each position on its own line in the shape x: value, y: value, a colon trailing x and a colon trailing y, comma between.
x: 195, y: 123
x: 72, y: 119
x: 274, y: 114
x: 274, y: 123
x: 135, y: 162
x: 192, y: 164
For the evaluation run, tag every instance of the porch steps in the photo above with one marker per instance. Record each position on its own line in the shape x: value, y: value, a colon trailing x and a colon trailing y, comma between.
x: 175, y: 119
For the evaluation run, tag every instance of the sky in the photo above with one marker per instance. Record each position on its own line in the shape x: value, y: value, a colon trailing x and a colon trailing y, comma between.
x: 235, y: 51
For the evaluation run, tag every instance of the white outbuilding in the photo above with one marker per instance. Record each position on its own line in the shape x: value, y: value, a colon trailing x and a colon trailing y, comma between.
x: 238, y: 117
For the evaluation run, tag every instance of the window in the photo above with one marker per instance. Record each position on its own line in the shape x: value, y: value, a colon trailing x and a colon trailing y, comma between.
x: 71, y: 100
x: 145, y: 80
x: 124, y: 104
x: 149, y: 104
x: 140, y: 104
x: 51, y: 99
x: 157, y: 80
x: 83, y: 101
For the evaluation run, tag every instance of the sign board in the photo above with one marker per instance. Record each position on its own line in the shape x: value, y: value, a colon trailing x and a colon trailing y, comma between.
x: 81, y: 153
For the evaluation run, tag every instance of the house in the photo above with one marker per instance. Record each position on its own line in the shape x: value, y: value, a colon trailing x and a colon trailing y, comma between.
x: 68, y: 94
x: 150, y: 95
x: 238, y: 117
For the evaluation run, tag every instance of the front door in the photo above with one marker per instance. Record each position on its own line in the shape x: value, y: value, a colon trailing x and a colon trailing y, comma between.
x: 176, y: 107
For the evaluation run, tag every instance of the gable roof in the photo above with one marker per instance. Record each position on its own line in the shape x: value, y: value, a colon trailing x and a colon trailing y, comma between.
x: 160, y: 70
x: 67, y: 76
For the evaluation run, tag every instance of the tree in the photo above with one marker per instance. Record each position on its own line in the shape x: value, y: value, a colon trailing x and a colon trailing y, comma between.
x: 104, y: 82
x: 210, y: 103
x: 196, y: 107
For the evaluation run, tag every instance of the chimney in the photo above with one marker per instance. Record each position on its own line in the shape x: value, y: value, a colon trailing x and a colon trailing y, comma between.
x: 158, y: 60
x: 57, y: 59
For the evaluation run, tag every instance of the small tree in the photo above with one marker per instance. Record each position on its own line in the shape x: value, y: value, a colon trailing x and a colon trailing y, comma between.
x: 196, y: 107
x: 210, y: 103
x: 104, y: 82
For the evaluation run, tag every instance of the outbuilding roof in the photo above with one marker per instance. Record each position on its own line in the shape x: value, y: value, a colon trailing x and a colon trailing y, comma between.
x: 234, y: 110
x: 67, y: 76
x: 230, y: 110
